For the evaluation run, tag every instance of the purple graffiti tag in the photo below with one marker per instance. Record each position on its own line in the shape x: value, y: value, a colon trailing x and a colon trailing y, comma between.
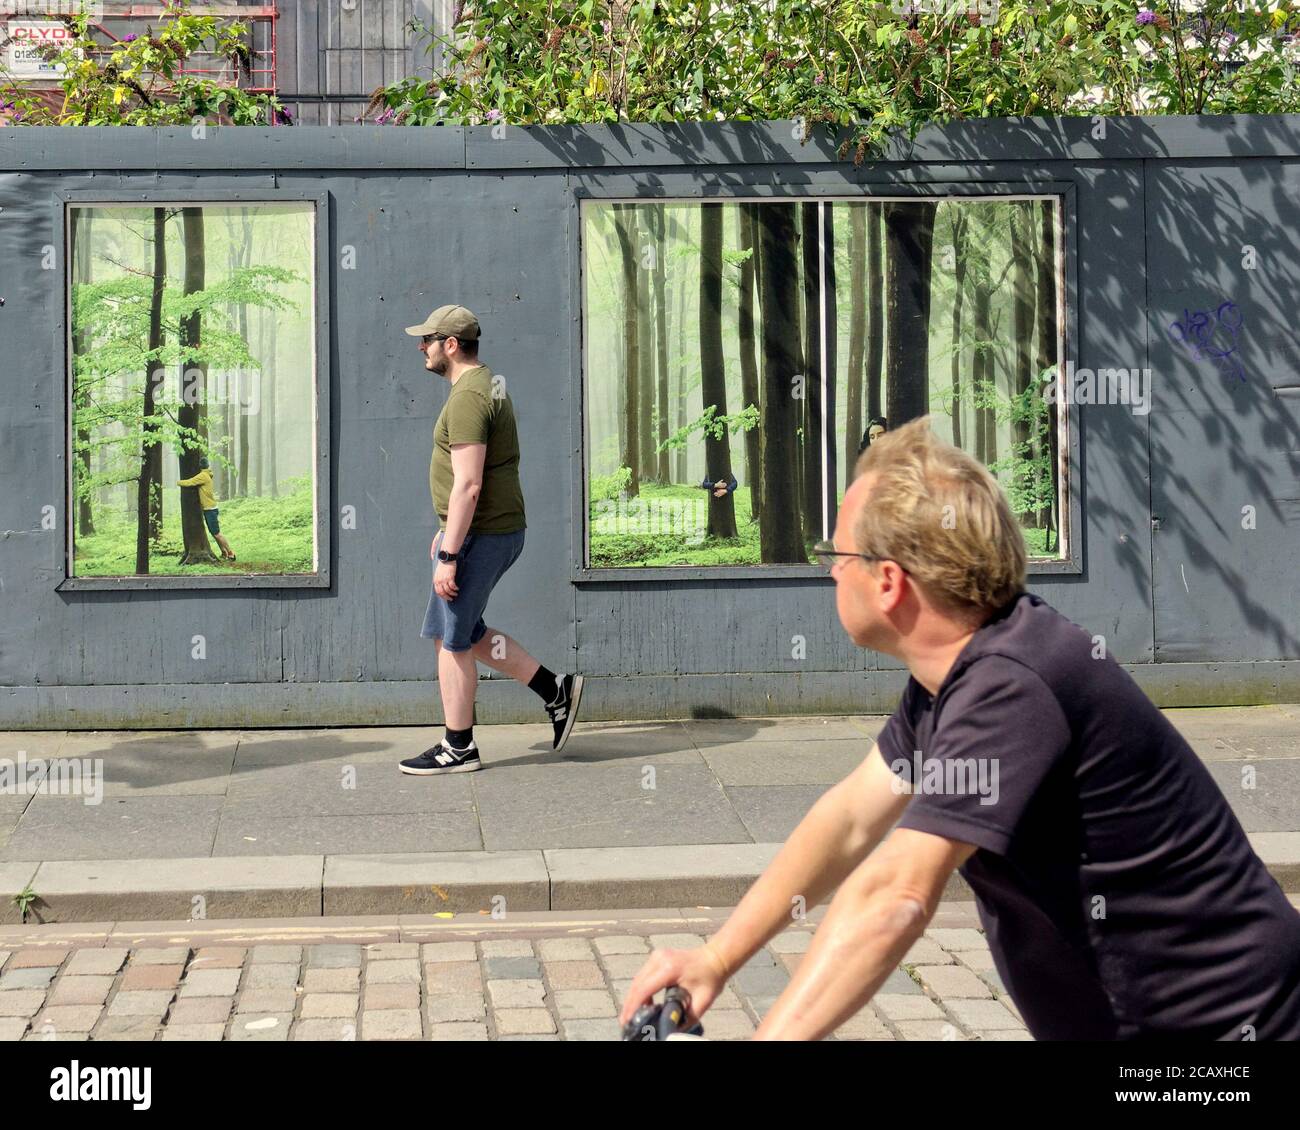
x: 1212, y: 337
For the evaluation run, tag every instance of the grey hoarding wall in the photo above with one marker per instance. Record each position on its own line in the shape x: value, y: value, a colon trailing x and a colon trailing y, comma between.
x: 1190, y: 513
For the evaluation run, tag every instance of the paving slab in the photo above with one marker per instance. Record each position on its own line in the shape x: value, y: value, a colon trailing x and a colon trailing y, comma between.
x: 1264, y: 794
x: 436, y: 882
x: 812, y: 762
x: 605, y: 743
x: 88, y: 891
x: 771, y: 812
x: 361, y: 745
x: 246, y: 830
x: 707, y: 732
x: 8, y: 822
x: 140, y: 827
x: 30, y: 743
x: 345, y: 789
x: 567, y: 806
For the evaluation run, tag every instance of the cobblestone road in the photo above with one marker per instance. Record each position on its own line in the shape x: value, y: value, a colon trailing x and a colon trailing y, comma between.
x: 536, y: 977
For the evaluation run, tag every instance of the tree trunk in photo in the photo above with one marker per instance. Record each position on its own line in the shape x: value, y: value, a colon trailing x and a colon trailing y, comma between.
x: 625, y: 225
x: 266, y: 402
x: 831, y: 362
x: 645, y: 378
x: 1047, y: 343
x: 257, y: 420
x: 81, y: 250
x: 150, y: 452
x: 243, y: 422
x: 679, y: 418
x: 982, y: 371
x: 780, y: 524
x: 198, y: 550
x: 748, y: 357
x: 909, y: 246
x: 811, y: 448
x: 853, y: 422
x: 959, y: 274
x: 659, y: 230
x: 713, y: 373
x: 1023, y: 283
x: 875, y: 311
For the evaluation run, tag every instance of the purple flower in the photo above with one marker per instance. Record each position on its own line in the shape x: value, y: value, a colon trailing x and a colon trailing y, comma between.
x: 130, y: 38
x: 819, y: 80
x: 493, y: 116
x: 283, y: 118
x: 607, y: 27
x: 1146, y: 17
x: 384, y: 116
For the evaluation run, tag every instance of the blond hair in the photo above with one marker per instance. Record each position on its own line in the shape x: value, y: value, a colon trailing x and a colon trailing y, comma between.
x: 940, y: 514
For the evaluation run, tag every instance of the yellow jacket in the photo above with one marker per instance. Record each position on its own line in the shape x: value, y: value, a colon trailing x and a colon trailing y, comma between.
x: 203, y: 480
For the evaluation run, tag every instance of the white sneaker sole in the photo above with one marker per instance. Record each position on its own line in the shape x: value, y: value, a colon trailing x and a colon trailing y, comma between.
x: 573, y: 713
x: 468, y: 767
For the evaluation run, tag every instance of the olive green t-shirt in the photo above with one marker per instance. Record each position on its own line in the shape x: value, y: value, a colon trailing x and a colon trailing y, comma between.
x: 476, y: 412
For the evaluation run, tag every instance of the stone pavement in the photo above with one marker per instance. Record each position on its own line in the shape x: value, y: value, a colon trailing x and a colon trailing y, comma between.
x: 531, y: 977
x: 235, y: 824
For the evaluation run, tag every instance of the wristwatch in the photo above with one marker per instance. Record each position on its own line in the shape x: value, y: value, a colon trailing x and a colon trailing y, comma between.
x: 443, y: 555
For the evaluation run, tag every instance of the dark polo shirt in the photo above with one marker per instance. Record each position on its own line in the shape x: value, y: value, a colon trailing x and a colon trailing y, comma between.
x: 1119, y: 893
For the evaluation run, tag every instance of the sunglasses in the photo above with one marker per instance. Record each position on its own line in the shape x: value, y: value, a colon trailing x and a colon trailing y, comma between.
x: 429, y: 339
x: 826, y: 553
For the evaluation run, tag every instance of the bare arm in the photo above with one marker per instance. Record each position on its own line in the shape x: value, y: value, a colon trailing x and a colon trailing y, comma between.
x: 467, y: 481
x: 874, y: 919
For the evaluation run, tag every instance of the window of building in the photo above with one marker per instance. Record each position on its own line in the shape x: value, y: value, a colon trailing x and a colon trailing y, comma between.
x: 192, y: 392
x: 740, y: 354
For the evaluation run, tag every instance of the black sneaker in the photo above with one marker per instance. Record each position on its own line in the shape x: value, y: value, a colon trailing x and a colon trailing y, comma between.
x: 442, y: 758
x: 564, y: 709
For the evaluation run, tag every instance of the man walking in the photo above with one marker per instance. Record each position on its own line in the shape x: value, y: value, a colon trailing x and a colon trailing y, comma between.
x: 474, y: 481
x: 1119, y: 893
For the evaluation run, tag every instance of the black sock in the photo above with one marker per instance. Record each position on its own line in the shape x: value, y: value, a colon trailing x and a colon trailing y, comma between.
x: 543, y: 685
x: 459, y: 739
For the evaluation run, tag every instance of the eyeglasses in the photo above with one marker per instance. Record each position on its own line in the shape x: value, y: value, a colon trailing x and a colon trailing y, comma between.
x: 827, y: 553
x: 429, y: 339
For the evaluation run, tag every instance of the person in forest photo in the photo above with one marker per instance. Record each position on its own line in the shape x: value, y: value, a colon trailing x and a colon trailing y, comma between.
x: 876, y: 428
x: 202, y: 482
x: 474, y: 481
x: 722, y: 487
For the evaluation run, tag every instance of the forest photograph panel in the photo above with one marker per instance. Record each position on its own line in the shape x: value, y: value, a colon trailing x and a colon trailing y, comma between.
x: 739, y: 356
x: 193, y: 428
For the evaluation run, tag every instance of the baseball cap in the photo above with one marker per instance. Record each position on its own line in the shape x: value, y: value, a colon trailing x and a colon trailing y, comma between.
x: 454, y: 321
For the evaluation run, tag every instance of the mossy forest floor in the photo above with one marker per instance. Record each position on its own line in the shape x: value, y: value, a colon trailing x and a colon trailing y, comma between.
x: 268, y: 535
x: 665, y: 525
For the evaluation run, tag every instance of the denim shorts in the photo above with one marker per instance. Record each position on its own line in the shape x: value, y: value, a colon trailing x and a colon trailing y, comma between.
x: 484, y: 558
x: 210, y: 516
